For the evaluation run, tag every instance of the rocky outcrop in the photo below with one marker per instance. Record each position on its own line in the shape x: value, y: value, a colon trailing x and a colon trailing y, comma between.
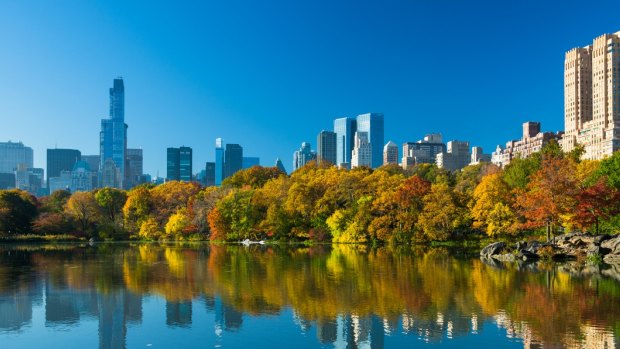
x: 562, y: 248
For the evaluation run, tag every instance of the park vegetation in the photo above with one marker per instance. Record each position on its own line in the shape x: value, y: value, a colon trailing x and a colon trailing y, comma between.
x: 320, y: 203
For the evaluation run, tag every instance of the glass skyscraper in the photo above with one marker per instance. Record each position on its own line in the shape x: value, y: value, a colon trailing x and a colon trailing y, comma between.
x: 372, y: 123
x: 326, y: 147
x: 172, y: 164
x: 345, y: 130
x: 113, y: 136
x: 185, y: 164
x: 59, y: 160
x: 233, y: 159
x: 219, y: 161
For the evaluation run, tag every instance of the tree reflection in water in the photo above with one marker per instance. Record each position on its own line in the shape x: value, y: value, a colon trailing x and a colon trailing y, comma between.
x: 351, y: 294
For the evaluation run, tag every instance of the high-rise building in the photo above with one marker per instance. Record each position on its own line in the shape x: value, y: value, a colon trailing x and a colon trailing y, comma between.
x: 302, y: 156
x: 390, y: 154
x: 59, y: 160
x: 372, y: 124
x: 233, y: 159
x: 7, y: 181
x: 478, y: 156
x: 179, y: 164
x: 362, y: 151
x: 456, y: 157
x: 173, y: 170
x: 113, y: 138
x: 326, y: 147
x: 219, y: 161
x: 423, y: 151
x: 185, y: 164
x: 82, y: 177
x: 209, y: 179
x: 592, y: 97
x: 280, y: 165
x: 13, y: 154
x: 248, y: 162
x: 29, y: 179
x: 345, y: 132
x: 134, y: 166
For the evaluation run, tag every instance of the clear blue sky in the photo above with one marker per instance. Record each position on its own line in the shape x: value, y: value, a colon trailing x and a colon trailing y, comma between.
x: 271, y: 74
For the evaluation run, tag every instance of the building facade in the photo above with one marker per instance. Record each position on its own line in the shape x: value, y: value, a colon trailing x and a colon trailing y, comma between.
x: 134, y: 167
x: 326, y: 147
x: 173, y: 170
x: 302, y: 156
x: 345, y: 132
x: 233, y: 159
x: 209, y: 179
x: 478, y: 156
x: 280, y: 165
x: 592, y: 97
x: 456, y: 157
x: 185, y: 164
x: 362, y: 151
x: 59, y: 160
x: 13, y: 154
x: 373, y: 125
x: 219, y: 161
x: 113, y: 136
x: 532, y: 141
x: 390, y: 154
x: 423, y: 151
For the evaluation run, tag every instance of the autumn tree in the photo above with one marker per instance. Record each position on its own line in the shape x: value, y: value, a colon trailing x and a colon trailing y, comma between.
x: 441, y: 215
x: 83, y: 208
x: 550, y: 194
x: 254, y: 177
x: 490, y: 205
x: 18, y: 209
x: 596, y: 203
x: 138, y: 208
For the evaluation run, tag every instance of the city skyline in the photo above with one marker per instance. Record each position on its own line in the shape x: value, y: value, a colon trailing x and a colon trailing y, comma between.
x: 207, y: 85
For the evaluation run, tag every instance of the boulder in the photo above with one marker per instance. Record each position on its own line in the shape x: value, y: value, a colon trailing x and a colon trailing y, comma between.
x: 612, y: 259
x: 493, y: 249
x: 613, y: 244
x: 526, y: 255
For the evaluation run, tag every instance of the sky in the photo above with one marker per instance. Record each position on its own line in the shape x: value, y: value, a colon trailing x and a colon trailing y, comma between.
x: 270, y: 75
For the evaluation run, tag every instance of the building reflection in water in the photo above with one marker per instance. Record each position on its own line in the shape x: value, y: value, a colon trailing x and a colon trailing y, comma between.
x: 71, y: 293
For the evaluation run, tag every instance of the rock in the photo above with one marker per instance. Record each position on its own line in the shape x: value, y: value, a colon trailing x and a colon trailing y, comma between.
x: 520, y: 245
x: 506, y: 257
x: 533, y: 247
x: 526, y: 255
x: 613, y: 244
x: 612, y: 259
x: 493, y: 249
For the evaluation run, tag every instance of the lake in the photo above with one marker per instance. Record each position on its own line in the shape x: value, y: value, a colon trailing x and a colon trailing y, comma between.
x: 343, y: 296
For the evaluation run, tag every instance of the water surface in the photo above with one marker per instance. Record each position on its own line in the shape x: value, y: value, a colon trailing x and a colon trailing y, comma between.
x: 206, y: 296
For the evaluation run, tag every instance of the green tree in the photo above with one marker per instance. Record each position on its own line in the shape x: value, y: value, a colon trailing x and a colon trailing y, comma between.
x: 441, y: 215
x: 111, y: 201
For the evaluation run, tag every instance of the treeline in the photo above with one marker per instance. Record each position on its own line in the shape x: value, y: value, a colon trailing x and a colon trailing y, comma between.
x: 323, y: 203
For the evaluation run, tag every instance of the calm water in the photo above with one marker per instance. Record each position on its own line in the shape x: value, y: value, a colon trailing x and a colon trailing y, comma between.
x: 201, y: 296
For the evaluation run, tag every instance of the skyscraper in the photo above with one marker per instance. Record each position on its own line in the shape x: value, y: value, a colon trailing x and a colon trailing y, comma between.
x: 59, y: 160
x: 209, y: 179
x: 280, y: 165
x: 423, y: 151
x: 390, y: 154
x: 219, y: 161
x: 233, y: 159
x: 185, y: 164
x: 13, y: 154
x: 173, y: 170
x: 372, y: 124
x: 302, y: 156
x: 326, y: 143
x: 362, y: 151
x: 113, y: 137
x: 345, y: 130
x: 134, y: 167
x: 592, y: 97
x: 179, y: 164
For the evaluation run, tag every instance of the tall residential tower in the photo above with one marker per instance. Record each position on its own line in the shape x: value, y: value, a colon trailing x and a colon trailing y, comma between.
x: 592, y: 97
x: 113, y: 139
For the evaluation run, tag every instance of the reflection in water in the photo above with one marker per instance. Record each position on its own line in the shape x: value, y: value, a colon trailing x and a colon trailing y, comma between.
x: 346, y: 296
